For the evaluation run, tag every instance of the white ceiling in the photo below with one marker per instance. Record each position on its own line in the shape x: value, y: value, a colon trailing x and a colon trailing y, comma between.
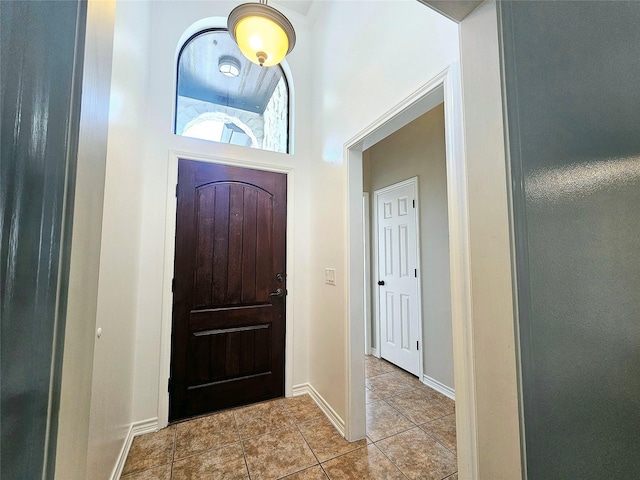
x: 300, y: 6
x: 307, y: 10
x: 456, y: 10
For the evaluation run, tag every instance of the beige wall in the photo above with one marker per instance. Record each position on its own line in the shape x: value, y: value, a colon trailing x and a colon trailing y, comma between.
x: 418, y: 149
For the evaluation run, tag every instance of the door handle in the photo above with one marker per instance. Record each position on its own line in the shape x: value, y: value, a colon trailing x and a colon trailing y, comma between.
x: 278, y: 293
x: 381, y: 282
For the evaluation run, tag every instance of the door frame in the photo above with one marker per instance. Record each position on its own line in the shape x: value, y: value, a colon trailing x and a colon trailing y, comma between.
x: 168, y: 270
x: 366, y: 232
x: 445, y: 86
x: 377, y: 325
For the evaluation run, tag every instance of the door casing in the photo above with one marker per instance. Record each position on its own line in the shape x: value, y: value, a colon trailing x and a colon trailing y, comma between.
x: 168, y: 271
x: 447, y: 86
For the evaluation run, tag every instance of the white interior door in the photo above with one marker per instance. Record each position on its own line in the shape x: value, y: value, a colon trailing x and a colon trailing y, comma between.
x: 397, y: 252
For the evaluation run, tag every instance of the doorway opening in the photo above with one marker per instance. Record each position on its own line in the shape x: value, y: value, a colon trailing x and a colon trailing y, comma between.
x: 229, y: 288
x: 396, y: 262
x: 169, y: 271
x: 444, y: 88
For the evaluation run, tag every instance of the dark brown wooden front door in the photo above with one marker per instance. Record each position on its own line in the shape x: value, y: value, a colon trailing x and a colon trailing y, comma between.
x: 228, y: 331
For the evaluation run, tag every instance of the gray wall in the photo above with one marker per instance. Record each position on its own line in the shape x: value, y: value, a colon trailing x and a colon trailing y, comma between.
x: 418, y: 149
x: 39, y: 138
x: 573, y: 106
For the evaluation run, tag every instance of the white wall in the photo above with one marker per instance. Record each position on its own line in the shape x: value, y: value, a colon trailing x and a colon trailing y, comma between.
x: 169, y: 20
x: 74, y: 437
x: 490, y: 257
x: 394, y: 48
x: 112, y: 390
x: 360, y: 70
x: 418, y: 149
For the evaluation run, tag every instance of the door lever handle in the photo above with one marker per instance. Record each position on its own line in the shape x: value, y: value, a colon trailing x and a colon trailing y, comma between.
x: 380, y: 282
x: 278, y: 293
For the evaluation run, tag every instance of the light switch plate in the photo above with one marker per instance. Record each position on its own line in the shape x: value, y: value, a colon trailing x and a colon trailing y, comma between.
x: 330, y: 276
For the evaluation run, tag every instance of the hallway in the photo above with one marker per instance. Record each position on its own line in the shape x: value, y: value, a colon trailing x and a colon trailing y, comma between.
x: 410, y: 434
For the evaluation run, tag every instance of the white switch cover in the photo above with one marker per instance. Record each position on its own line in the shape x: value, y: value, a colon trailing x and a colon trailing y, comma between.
x: 330, y: 276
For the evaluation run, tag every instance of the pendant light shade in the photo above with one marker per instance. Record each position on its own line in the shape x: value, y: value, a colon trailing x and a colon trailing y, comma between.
x: 265, y: 36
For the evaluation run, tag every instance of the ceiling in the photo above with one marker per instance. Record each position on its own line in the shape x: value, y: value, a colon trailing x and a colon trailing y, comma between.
x: 199, y: 76
x: 300, y: 6
x: 456, y: 10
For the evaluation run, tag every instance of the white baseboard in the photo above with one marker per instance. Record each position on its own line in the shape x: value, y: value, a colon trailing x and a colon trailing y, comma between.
x: 330, y: 413
x: 439, y: 387
x: 374, y: 352
x: 136, y: 428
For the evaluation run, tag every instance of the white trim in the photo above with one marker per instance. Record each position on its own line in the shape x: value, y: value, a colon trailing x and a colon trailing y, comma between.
x: 413, y: 181
x: 136, y: 428
x: 448, y: 84
x: 334, y: 418
x: 169, y: 253
x: 366, y: 231
x: 459, y: 254
x: 439, y: 387
x: 375, y: 353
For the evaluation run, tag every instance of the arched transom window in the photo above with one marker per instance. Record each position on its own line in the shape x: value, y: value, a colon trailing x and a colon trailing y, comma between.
x: 223, y: 97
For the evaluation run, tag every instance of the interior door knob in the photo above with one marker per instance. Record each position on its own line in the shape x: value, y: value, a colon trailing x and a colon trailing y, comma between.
x: 380, y: 282
x: 278, y: 293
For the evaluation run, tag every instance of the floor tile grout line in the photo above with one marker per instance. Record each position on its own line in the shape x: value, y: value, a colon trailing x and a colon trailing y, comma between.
x: 287, y: 412
x: 268, y: 433
x: 439, y: 442
x: 124, y: 477
x: 416, y: 425
x: 406, y: 416
x: 402, y: 415
x: 396, y: 433
x: 311, y: 448
x: 308, y: 445
x: 431, y: 436
x: 338, y: 456
x: 312, y: 452
x: 244, y: 455
x: 387, y: 457
x: 173, y: 454
x: 202, y: 452
x: 326, y: 474
x: 151, y: 467
x: 309, y: 420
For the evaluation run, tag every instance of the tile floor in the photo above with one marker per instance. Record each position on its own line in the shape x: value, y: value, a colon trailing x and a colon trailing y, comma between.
x: 411, y: 433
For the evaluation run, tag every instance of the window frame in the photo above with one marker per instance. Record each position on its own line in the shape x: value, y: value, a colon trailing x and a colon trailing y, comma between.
x: 177, y: 84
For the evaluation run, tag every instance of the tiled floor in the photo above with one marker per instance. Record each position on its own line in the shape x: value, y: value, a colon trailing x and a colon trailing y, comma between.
x: 411, y: 433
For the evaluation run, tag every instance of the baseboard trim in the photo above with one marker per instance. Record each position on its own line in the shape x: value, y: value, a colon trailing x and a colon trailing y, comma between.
x: 439, y: 387
x: 374, y: 352
x: 136, y: 428
x: 334, y: 418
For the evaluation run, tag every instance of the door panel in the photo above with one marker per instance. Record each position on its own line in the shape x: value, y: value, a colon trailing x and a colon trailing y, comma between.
x: 397, y: 267
x: 228, y: 329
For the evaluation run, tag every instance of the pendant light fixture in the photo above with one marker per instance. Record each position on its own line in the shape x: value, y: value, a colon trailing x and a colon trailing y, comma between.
x: 265, y: 36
